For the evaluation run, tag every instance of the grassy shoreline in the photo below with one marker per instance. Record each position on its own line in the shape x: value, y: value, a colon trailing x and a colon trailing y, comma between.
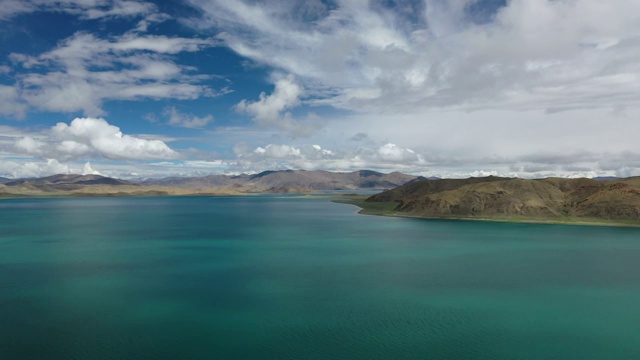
x: 388, y: 209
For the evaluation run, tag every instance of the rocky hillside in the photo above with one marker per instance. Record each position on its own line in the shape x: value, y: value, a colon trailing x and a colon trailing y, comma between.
x: 493, y: 197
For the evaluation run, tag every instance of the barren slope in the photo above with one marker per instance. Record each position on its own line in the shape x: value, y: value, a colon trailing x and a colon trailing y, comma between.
x: 493, y: 197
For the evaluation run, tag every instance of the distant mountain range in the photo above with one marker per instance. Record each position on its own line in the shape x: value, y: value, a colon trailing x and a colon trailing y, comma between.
x: 496, y: 197
x: 482, y: 198
x: 265, y: 182
x: 66, y: 185
x: 291, y: 180
x: 66, y: 181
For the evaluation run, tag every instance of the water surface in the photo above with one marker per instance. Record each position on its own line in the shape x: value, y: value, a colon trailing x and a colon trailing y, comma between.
x: 288, y: 278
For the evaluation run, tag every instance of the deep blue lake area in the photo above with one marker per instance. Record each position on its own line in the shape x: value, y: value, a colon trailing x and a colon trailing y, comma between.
x: 271, y: 277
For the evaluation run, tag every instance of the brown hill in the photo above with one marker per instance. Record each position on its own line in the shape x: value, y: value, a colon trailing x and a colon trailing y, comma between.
x: 494, y: 197
x: 197, y: 182
x: 63, y: 182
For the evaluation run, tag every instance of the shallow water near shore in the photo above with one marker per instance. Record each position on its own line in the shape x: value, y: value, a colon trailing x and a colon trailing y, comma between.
x: 303, y: 278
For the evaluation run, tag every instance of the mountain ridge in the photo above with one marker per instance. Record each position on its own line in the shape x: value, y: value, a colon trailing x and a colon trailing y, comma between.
x: 497, y: 197
x: 285, y: 181
x: 292, y: 179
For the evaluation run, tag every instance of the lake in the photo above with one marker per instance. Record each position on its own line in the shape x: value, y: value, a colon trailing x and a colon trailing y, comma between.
x: 270, y: 277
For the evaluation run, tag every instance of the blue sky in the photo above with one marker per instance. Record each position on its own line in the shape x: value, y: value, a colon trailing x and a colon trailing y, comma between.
x: 457, y: 88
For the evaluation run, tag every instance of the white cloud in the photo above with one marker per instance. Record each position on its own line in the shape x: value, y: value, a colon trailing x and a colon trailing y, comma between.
x: 529, y: 54
x: 28, y: 169
x: 190, y: 121
x: 121, y: 8
x: 86, y: 9
x: 268, y: 110
x: 87, y: 138
x: 83, y: 71
x: 29, y: 145
x: 10, y: 103
x: 154, y: 18
x: 535, y: 87
x: 272, y: 110
x: 277, y: 151
x: 88, y: 170
x: 10, y: 8
x: 392, y: 152
x: 388, y: 157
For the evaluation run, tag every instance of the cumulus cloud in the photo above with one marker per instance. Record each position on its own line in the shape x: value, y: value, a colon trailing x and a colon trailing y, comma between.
x: 283, y: 151
x: 278, y: 156
x: 176, y: 118
x: 388, y: 157
x: 392, y: 152
x: 277, y: 151
x: 272, y: 110
x: 29, y: 145
x: 268, y: 110
x: 92, y: 138
x: 29, y: 169
x: 15, y: 168
x: 88, y: 170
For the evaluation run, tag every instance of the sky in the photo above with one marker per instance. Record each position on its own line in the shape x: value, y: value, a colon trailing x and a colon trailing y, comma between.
x: 457, y: 88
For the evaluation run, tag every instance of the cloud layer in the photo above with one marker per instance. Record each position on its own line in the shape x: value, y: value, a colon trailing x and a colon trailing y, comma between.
x: 528, y: 54
x: 85, y: 9
x: 83, y: 71
x: 449, y: 88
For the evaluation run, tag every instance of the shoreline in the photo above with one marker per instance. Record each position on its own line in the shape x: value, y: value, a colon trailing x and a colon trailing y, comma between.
x: 366, y: 208
x: 160, y: 193
x: 386, y: 209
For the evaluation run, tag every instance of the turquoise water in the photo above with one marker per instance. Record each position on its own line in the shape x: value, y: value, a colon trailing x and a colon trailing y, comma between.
x: 284, y: 278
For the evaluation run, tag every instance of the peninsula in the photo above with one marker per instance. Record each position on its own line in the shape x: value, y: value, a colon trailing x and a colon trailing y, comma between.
x: 553, y: 200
